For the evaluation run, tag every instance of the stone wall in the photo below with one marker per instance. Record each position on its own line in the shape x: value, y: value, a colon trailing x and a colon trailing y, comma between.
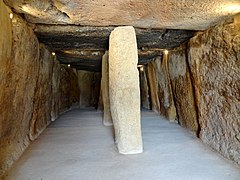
x: 153, y: 84
x: 214, y: 60
x: 107, y: 117
x: 204, y: 85
x: 183, y: 91
x: 160, y: 88
x: 145, y: 103
x: 100, y: 100
x: 32, y: 87
x: 89, y: 84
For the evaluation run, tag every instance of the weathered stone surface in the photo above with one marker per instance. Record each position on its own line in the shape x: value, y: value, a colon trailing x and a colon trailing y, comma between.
x: 26, y: 86
x: 91, y: 60
x: 83, y: 46
x: 214, y: 62
x: 5, y: 68
x: 100, y: 101
x: 146, y: 56
x: 89, y: 84
x: 43, y: 90
x: 107, y: 117
x: 64, y: 91
x: 183, y: 90
x: 153, y: 85
x: 81, y: 60
x: 17, y: 92
x: 59, y: 37
x: 172, y: 14
x: 124, y: 90
x: 74, y: 87
x: 55, y: 110
x: 144, y: 88
x: 162, y: 98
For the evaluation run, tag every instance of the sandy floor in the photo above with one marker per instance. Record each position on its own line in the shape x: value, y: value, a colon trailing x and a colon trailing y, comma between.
x: 78, y: 147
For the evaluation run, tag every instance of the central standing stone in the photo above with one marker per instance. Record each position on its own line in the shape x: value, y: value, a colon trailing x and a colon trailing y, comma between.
x: 124, y: 90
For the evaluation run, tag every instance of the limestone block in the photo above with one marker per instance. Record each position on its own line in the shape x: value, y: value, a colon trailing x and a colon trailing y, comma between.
x: 55, y: 110
x: 144, y: 88
x: 18, y: 68
x: 96, y: 88
x: 167, y: 106
x: 41, y: 107
x: 164, y: 14
x: 6, y: 90
x: 183, y: 90
x: 124, y: 90
x: 107, y: 117
x: 160, y: 88
x: 100, y: 100
x: 5, y: 65
x: 153, y: 85
x: 214, y: 63
x: 27, y: 87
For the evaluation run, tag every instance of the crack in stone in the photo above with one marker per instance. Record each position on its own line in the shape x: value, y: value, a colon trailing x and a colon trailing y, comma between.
x: 63, y: 14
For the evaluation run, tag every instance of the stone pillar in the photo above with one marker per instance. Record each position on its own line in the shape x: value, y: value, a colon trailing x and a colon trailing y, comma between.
x: 153, y: 86
x: 124, y: 90
x: 107, y: 118
x: 170, y: 110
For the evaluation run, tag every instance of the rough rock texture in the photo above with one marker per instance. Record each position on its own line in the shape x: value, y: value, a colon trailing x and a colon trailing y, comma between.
x: 43, y: 90
x: 161, y: 93
x: 100, y: 100
x: 190, y: 14
x: 144, y: 88
x: 70, y: 37
x: 18, y: 84
x: 26, y: 86
x: 83, y: 46
x: 5, y: 67
x: 73, y: 90
x: 183, y: 90
x: 214, y: 58
x: 124, y: 90
x: 56, y: 95
x: 56, y: 81
x: 107, y: 117
x: 89, y: 84
x: 153, y: 84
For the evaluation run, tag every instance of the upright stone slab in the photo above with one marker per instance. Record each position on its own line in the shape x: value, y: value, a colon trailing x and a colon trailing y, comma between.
x: 100, y: 99
x: 124, y: 90
x: 144, y: 88
x: 107, y: 118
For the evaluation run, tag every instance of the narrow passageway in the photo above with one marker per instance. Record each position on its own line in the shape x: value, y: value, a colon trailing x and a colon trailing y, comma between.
x: 77, y: 146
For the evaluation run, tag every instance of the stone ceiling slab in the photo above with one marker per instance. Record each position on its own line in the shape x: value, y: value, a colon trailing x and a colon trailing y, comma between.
x: 93, y: 59
x: 78, y: 30
x: 165, y: 14
x: 83, y: 46
x: 60, y: 37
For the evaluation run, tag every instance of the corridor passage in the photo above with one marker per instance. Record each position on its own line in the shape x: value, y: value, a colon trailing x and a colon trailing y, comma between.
x: 78, y: 147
